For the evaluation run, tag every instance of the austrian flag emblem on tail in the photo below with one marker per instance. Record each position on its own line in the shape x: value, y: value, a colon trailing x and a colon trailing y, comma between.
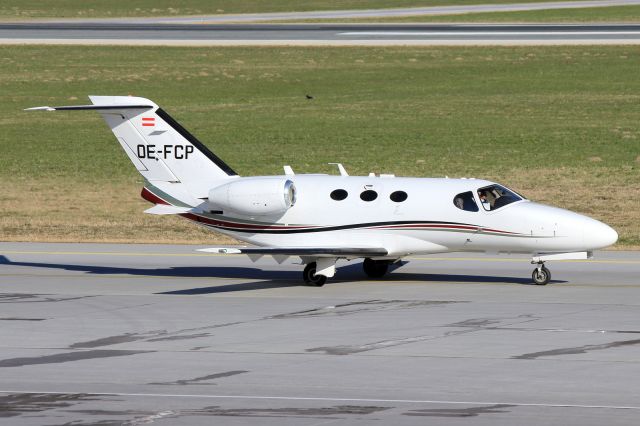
x: 148, y: 121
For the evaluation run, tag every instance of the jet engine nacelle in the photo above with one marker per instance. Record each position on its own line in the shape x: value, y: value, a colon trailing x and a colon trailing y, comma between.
x: 255, y: 196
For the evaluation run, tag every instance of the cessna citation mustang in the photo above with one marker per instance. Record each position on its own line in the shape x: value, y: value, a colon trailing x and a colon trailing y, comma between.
x: 322, y: 218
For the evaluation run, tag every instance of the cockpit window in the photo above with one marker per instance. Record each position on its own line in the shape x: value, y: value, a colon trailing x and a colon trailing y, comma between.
x: 495, y: 196
x: 466, y: 202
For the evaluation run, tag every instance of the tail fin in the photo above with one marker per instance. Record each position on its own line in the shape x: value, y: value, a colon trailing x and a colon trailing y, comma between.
x: 158, y: 146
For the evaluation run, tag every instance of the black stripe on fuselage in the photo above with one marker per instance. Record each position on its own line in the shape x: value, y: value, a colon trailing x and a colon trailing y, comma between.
x: 206, y: 221
x: 195, y: 142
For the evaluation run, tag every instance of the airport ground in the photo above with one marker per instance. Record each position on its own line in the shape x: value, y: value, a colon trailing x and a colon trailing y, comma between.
x: 129, y: 334
x: 139, y: 334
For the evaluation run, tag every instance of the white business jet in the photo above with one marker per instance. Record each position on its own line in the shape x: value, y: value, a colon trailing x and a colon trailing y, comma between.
x: 323, y: 218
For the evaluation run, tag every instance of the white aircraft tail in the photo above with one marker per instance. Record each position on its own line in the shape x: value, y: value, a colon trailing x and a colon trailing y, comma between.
x: 163, y: 151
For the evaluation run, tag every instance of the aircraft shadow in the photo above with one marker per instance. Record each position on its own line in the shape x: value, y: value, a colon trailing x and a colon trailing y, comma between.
x: 266, y: 278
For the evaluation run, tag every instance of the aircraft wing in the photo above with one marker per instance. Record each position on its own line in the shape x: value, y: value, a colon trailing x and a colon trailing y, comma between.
x: 301, y: 251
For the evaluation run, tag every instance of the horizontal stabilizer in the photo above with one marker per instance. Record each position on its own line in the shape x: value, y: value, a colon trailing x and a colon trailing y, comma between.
x: 158, y: 146
x: 302, y: 251
x: 166, y: 209
x: 87, y: 107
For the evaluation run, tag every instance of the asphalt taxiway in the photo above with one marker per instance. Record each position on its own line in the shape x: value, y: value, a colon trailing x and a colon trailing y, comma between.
x: 99, y: 334
x: 316, y: 34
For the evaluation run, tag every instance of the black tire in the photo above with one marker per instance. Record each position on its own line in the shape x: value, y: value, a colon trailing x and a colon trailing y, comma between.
x: 310, y: 277
x: 541, y: 276
x: 375, y: 268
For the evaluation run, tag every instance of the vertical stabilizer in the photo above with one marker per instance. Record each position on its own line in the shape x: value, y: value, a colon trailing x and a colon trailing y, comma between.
x: 159, y: 147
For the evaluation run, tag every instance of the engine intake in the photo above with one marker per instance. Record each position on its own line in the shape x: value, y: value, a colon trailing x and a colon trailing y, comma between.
x: 255, y: 196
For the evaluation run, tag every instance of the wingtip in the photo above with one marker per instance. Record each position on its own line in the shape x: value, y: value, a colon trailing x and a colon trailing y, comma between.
x: 40, y: 108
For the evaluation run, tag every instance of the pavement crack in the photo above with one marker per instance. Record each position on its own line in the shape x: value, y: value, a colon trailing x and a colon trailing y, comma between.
x: 22, y: 319
x: 16, y: 404
x: 113, y: 340
x: 353, y: 349
x: 319, y: 413
x: 337, y: 412
x: 180, y: 337
x: 199, y: 380
x: 459, y: 412
x: 578, y: 349
x: 152, y: 336
x: 66, y: 357
x: 36, y: 298
x: 361, y: 306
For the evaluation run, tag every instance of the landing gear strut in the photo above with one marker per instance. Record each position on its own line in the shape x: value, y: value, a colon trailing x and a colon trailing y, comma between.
x: 310, y: 277
x: 375, y: 268
x: 541, y: 275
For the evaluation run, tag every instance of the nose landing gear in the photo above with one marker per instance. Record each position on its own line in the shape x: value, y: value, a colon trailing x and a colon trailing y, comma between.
x: 541, y: 275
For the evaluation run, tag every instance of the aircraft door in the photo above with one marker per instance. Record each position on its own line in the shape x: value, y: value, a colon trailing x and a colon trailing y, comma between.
x: 465, y: 229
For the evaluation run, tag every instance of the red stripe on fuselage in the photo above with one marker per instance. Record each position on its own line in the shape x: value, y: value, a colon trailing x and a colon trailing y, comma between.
x: 498, y: 231
x: 245, y: 226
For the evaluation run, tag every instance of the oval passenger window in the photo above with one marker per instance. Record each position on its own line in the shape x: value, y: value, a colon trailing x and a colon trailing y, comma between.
x: 339, y: 194
x: 368, y: 195
x: 398, y: 196
x: 465, y: 201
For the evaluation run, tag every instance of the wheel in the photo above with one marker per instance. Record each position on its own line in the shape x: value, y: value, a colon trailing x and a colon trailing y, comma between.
x: 310, y: 277
x: 375, y: 268
x: 541, y: 276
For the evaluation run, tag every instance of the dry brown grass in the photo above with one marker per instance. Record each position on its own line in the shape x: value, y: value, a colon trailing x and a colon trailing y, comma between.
x: 37, y: 211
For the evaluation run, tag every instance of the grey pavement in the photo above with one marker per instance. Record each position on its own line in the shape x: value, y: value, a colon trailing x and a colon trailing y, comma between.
x: 137, y: 334
x: 317, y: 34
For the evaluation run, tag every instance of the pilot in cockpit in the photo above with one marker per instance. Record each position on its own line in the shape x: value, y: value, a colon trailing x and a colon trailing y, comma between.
x: 483, y: 199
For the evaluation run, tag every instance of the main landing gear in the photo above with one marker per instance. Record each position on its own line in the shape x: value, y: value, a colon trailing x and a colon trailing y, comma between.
x: 375, y: 268
x: 541, y: 275
x: 310, y: 277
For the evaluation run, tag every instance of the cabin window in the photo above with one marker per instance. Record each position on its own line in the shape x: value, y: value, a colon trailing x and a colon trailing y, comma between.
x: 465, y: 201
x: 495, y: 196
x: 339, y: 194
x: 368, y: 195
x: 398, y: 196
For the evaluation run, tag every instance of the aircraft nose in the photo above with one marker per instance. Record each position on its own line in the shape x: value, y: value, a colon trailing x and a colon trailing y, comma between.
x: 598, y: 235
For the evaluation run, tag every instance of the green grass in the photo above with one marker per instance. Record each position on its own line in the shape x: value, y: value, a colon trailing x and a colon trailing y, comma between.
x: 22, y: 9
x: 582, y: 15
x: 560, y: 124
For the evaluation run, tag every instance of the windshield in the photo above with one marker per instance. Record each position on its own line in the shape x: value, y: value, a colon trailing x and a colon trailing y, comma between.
x: 495, y: 196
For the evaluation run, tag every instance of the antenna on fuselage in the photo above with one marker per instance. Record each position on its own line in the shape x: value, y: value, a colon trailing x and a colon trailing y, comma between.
x: 341, y: 169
